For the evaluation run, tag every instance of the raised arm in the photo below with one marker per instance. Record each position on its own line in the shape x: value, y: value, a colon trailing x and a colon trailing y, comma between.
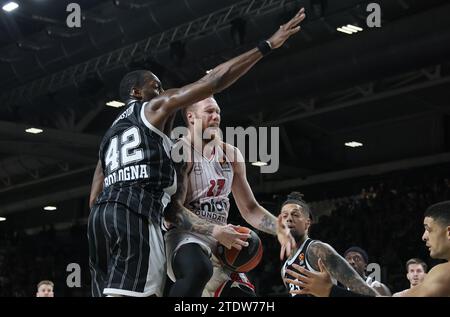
x: 217, y: 79
x: 255, y: 214
x: 250, y: 209
x: 97, y: 184
x: 169, y: 124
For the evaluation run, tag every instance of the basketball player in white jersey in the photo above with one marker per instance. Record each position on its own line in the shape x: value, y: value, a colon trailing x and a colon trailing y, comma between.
x: 295, y: 217
x: 215, y: 170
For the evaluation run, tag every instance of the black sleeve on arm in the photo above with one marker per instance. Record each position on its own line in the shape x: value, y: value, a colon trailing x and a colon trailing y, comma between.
x: 337, y: 291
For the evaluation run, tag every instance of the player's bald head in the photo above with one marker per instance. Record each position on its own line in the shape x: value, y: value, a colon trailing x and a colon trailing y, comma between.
x: 194, y: 107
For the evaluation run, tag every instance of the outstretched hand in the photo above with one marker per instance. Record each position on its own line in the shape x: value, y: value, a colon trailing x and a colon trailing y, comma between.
x: 285, y: 239
x: 287, y: 30
x: 314, y: 283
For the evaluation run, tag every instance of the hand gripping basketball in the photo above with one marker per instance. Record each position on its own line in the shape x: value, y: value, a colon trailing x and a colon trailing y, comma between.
x: 229, y: 237
x: 244, y: 259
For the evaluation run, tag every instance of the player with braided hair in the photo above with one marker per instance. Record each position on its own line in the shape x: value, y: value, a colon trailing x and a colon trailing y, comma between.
x: 312, y: 255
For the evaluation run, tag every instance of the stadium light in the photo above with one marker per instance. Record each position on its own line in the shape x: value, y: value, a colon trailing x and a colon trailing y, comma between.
x: 349, y: 29
x: 34, y: 130
x: 353, y: 27
x: 115, y: 104
x: 259, y: 163
x: 10, y: 6
x: 344, y: 31
x: 353, y: 144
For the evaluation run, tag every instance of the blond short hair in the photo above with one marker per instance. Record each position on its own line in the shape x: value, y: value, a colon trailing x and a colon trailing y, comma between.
x: 45, y: 282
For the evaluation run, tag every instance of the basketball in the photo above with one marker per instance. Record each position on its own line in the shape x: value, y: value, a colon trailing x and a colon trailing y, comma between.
x: 242, y: 260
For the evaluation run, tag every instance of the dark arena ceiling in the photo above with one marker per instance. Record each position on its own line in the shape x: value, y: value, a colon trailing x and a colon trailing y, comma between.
x: 385, y: 87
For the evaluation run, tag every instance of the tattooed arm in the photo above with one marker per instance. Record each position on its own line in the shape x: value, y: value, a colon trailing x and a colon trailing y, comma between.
x: 178, y: 215
x: 226, y: 235
x: 251, y: 211
x: 337, y: 267
x: 318, y: 284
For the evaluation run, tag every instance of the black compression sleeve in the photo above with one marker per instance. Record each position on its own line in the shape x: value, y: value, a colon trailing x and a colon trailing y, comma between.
x: 337, y: 291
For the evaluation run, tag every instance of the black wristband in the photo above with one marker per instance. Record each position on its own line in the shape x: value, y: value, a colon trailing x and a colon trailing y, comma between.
x: 264, y: 47
x: 337, y: 291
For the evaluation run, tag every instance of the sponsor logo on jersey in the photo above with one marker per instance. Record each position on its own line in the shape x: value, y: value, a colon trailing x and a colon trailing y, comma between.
x: 301, y: 258
x: 212, y: 209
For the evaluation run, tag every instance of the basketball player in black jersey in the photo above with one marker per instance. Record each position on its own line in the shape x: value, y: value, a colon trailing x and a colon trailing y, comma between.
x: 135, y: 177
x: 436, y: 283
x: 295, y: 216
x: 359, y: 259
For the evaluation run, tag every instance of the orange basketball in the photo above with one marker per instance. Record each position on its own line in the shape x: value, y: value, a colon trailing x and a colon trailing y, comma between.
x: 242, y: 260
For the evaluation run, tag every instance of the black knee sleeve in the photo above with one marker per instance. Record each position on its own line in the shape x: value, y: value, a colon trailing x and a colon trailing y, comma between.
x: 193, y: 269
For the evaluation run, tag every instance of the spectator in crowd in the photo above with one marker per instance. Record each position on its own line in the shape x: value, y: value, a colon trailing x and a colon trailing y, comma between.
x: 416, y: 270
x: 45, y: 289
